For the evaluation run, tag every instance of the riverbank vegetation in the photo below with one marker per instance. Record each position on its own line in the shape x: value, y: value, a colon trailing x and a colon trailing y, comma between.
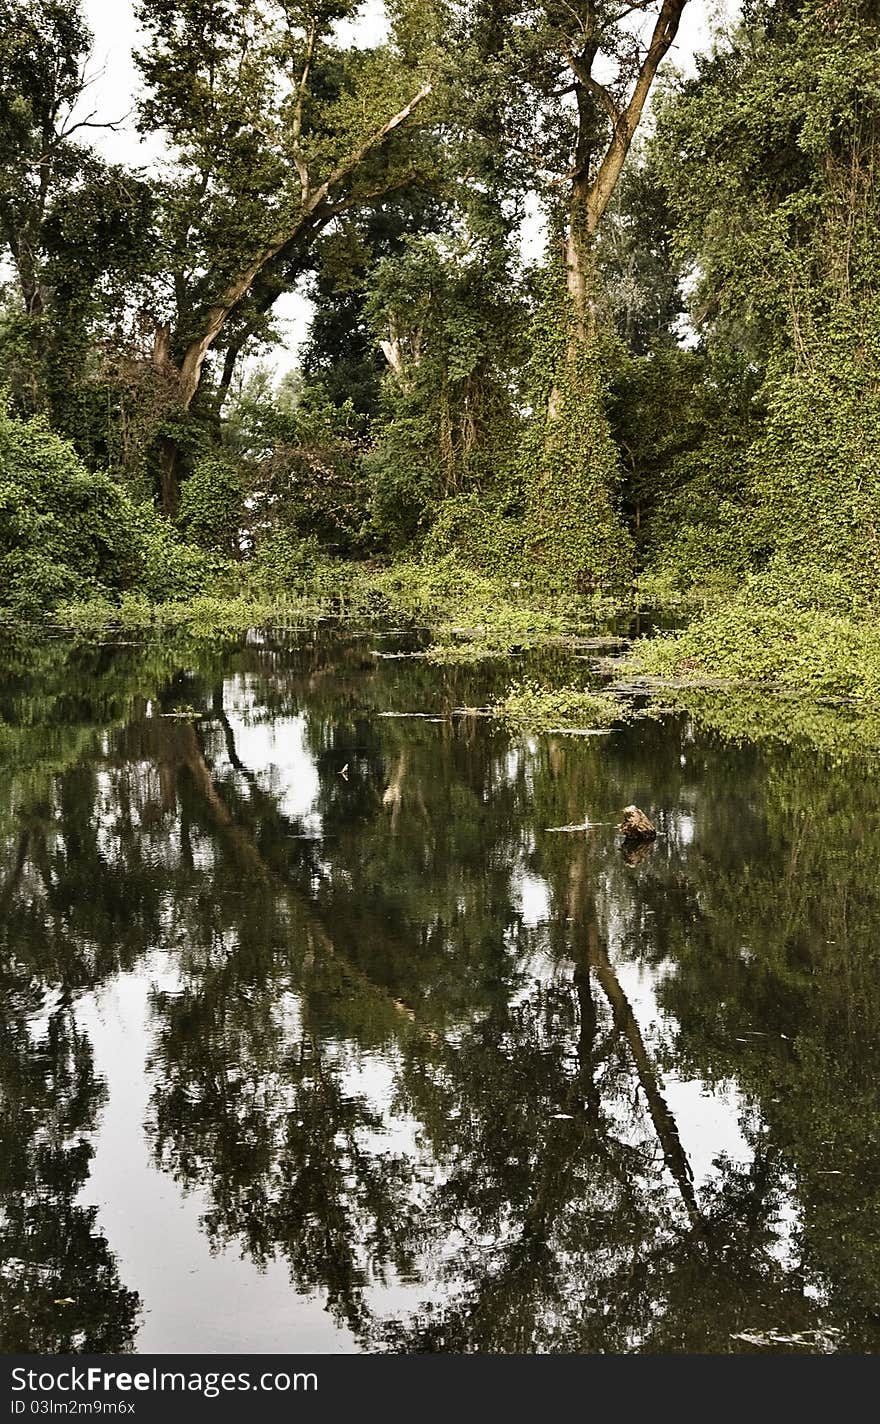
x: 674, y: 404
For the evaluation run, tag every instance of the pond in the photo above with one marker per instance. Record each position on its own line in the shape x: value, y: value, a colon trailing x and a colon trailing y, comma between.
x: 318, y: 1034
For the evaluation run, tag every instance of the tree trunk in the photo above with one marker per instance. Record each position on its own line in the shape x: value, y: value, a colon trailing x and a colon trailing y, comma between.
x: 169, y: 482
x: 580, y: 270
x: 591, y: 190
x: 580, y: 283
x: 635, y: 825
x: 317, y: 210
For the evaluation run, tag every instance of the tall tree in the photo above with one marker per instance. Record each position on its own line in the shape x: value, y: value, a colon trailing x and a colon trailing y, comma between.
x: 278, y: 131
x: 72, y: 228
x: 770, y: 155
x: 44, y: 49
x: 571, y: 82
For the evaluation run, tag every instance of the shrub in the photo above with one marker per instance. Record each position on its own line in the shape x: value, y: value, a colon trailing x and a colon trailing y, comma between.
x: 67, y: 533
x: 62, y: 529
x: 479, y: 536
x: 528, y: 707
x: 212, y: 505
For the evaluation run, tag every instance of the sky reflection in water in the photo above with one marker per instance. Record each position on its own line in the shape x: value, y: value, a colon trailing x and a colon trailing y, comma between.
x: 316, y: 1038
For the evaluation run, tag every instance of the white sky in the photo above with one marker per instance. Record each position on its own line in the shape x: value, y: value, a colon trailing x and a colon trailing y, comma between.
x: 112, y: 96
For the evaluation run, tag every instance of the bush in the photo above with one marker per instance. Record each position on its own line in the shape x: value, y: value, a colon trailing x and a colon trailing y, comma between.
x: 171, y: 568
x: 780, y: 644
x: 212, y: 505
x: 67, y: 533
x: 480, y: 537
x: 283, y: 559
x: 62, y: 529
x: 528, y: 707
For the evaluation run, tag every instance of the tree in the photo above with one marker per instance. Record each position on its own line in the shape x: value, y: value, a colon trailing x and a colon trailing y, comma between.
x: 571, y: 82
x: 43, y: 52
x: 770, y: 159
x: 75, y: 230
x: 448, y: 316
x: 341, y: 352
x: 278, y: 131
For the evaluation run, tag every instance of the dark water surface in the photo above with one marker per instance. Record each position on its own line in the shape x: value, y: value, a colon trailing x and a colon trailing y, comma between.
x: 315, y: 1036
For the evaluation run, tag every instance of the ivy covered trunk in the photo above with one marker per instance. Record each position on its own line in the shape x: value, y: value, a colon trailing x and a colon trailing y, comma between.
x: 574, y: 533
x: 575, y: 537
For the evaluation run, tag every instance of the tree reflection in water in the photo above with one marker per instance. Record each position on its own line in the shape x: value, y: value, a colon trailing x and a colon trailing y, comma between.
x: 376, y: 1067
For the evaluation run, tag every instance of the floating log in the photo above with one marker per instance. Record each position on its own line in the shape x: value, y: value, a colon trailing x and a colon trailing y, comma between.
x: 635, y: 826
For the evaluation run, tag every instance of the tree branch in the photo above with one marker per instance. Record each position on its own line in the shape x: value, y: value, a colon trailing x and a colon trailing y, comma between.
x: 665, y: 30
x: 598, y: 91
x: 301, y: 87
x: 217, y: 314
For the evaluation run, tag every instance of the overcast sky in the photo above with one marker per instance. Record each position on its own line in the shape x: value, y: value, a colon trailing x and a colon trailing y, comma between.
x: 113, y: 91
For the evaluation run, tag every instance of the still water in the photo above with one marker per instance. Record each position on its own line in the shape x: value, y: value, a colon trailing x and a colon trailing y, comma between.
x: 317, y: 1035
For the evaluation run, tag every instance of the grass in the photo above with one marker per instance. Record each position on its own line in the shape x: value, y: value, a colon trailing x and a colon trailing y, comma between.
x: 471, y: 615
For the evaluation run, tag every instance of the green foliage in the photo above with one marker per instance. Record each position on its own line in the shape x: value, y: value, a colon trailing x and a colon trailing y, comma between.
x: 305, y: 454
x: 43, y: 47
x: 575, y: 539
x: 464, y: 652
x: 61, y: 528
x: 840, y: 731
x: 528, y: 707
x: 341, y: 354
x: 450, y: 323
x: 816, y: 466
x: 775, y: 642
x: 203, y: 617
x: 683, y: 421
x: 283, y: 561
x: 477, y: 530
x: 447, y: 593
x: 65, y: 532
x: 171, y: 568
x: 212, y: 505
x: 77, y: 233
x: 641, y: 272
x: 769, y: 158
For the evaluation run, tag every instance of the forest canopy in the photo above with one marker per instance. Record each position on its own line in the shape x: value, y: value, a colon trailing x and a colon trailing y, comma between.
x: 675, y: 399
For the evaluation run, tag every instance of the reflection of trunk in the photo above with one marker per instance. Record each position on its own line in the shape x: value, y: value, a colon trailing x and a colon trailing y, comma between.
x: 582, y: 916
x: 186, y: 849
x: 8, y: 888
x: 247, y: 853
x: 228, y: 736
x: 167, y: 786
x: 585, y: 924
x: 587, y: 1040
x: 393, y: 795
x: 664, y: 1123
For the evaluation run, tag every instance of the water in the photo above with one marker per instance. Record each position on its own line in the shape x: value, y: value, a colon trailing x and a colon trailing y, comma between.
x: 314, y: 1036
